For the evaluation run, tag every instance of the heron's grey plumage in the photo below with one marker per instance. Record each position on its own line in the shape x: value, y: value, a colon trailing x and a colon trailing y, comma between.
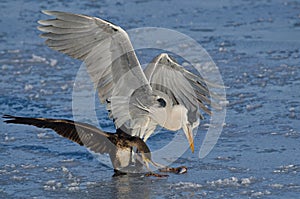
x: 108, y: 55
x: 166, y: 75
x: 131, y: 94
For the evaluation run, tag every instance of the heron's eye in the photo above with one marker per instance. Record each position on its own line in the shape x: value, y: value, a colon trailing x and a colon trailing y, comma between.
x: 162, y: 102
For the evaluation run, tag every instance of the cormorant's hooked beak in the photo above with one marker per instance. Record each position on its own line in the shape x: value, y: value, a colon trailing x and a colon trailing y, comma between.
x: 188, y: 131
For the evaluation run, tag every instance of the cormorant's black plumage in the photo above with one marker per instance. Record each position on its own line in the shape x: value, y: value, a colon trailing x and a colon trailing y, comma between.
x: 91, y: 137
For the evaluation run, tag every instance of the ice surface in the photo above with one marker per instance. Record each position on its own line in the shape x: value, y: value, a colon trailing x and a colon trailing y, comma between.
x: 256, y: 46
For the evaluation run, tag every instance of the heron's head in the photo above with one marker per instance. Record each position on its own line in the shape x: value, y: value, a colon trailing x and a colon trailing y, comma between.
x: 173, y: 117
x: 162, y: 99
x: 176, y: 117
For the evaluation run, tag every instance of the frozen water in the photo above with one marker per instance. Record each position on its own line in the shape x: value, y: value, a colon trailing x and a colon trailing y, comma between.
x: 256, y: 46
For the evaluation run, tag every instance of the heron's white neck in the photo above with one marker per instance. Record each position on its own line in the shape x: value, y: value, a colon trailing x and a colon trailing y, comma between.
x: 171, y: 117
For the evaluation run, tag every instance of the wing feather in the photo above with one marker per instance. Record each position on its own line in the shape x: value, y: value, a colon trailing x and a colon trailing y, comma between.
x: 107, y: 52
x: 182, y: 86
x: 81, y: 133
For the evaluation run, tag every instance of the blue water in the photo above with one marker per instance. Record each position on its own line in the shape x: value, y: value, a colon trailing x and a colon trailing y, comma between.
x: 256, y: 46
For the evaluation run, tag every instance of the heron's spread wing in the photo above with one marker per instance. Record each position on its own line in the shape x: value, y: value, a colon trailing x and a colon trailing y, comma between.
x: 81, y: 133
x: 182, y: 86
x: 108, y: 54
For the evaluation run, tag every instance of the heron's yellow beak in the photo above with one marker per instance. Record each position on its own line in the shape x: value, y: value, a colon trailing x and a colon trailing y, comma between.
x: 188, y: 131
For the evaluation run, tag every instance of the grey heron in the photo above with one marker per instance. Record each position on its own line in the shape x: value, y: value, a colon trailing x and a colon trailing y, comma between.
x: 164, y: 94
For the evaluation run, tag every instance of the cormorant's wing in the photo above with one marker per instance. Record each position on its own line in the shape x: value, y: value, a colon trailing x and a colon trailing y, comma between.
x: 81, y: 133
x: 110, y: 60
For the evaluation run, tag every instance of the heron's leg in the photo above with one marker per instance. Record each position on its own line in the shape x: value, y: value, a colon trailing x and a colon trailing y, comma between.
x: 157, y: 165
x: 142, y: 162
x: 131, y: 160
x: 162, y: 168
x: 150, y: 172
